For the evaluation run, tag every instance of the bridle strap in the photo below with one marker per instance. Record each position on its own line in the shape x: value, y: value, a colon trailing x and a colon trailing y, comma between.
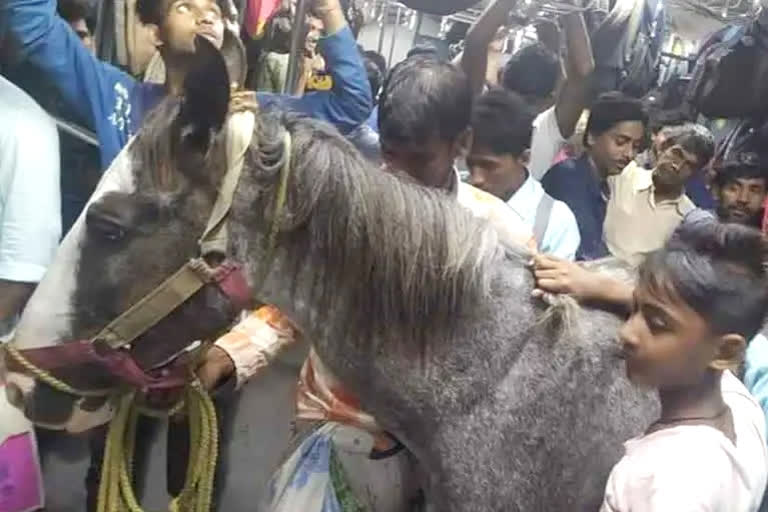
x: 154, y: 306
x: 188, y: 280
x: 215, y: 238
x: 167, y: 297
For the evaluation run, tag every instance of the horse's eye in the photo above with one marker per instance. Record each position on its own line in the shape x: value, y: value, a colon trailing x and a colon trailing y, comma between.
x: 106, y: 229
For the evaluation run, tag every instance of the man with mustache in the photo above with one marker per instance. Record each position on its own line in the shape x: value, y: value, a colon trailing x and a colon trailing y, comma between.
x: 645, y: 206
x: 740, y: 187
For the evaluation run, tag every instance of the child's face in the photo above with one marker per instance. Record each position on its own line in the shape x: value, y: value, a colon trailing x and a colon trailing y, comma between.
x: 666, y: 344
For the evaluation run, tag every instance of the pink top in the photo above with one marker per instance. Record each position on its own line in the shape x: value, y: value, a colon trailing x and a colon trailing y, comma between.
x: 695, y: 467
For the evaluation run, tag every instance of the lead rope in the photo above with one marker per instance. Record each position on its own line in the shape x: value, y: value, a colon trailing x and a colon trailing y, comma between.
x: 116, y: 486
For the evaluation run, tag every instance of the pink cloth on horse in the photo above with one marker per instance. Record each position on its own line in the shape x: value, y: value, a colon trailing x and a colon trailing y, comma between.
x: 21, y: 487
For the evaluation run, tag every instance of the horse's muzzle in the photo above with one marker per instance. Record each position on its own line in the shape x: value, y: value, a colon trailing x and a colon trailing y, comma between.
x: 52, y: 409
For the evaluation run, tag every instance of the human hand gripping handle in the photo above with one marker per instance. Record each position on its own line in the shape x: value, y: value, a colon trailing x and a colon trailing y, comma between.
x: 331, y: 14
x: 215, y: 368
x: 242, y: 100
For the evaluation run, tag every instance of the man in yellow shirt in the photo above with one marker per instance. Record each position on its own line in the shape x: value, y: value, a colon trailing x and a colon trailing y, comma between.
x: 645, y: 207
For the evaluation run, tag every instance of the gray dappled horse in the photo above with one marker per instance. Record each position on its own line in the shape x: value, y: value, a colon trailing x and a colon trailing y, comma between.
x: 409, y: 299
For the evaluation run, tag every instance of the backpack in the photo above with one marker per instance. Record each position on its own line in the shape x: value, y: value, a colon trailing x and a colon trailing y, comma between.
x: 730, y: 78
x: 632, y: 67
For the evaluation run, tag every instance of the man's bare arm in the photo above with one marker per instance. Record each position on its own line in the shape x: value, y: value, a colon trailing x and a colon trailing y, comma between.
x: 13, y: 297
x: 579, y: 66
x: 474, y: 60
x: 554, y: 275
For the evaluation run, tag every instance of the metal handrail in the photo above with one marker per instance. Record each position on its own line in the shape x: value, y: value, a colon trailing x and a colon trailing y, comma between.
x: 297, y: 48
x: 76, y: 131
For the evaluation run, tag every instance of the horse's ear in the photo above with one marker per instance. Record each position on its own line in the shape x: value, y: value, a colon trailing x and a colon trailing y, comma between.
x: 205, y: 101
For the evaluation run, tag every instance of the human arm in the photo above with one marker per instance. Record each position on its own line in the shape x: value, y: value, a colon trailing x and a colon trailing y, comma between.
x: 48, y: 43
x: 30, y: 222
x: 13, y: 296
x: 249, y: 348
x: 579, y: 66
x: 554, y: 275
x: 349, y: 103
x: 474, y: 60
x: 756, y: 371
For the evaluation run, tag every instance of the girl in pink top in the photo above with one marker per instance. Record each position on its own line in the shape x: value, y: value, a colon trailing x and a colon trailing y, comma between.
x: 696, y: 303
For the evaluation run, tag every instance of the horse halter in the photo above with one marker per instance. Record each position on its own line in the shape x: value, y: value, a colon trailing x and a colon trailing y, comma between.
x: 110, y: 347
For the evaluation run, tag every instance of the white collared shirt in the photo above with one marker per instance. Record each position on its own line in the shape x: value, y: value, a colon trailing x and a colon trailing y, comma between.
x: 635, y: 224
x: 546, y: 143
x: 561, y: 238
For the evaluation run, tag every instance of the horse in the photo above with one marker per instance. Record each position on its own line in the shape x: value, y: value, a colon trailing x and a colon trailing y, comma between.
x: 410, y: 300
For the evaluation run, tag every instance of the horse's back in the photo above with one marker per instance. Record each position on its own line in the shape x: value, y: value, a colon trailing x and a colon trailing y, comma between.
x: 548, y: 431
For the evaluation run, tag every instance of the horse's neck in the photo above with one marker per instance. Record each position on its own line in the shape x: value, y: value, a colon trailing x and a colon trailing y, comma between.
x: 292, y: 289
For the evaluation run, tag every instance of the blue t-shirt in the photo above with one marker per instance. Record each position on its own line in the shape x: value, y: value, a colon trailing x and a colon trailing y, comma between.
x: 113, y: 104
x: 697, y: 191
x: 373, y: 119
x: 574, y: 182
x: 756, y: 370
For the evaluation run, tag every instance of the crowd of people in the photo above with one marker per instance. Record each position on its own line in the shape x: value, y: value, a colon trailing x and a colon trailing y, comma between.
x: 498, y: 137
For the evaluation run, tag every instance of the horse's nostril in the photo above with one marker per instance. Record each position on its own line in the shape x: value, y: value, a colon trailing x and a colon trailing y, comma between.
x: 14, y: 395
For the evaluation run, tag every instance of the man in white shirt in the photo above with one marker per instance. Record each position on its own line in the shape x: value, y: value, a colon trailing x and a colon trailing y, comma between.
x: 30, y: 228
x: 534, y: 72
x: 30, y: 203
x: 501, y: 124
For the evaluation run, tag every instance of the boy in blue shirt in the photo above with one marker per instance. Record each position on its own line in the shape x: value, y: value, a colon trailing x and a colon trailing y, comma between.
x: 615, y: 131
x: 114, y: 104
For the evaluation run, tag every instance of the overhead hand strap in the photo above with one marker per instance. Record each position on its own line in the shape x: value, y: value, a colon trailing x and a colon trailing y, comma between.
x: 239, y: 135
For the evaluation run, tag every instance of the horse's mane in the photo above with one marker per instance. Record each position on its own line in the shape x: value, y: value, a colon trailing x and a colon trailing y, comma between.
x: 411, y: 258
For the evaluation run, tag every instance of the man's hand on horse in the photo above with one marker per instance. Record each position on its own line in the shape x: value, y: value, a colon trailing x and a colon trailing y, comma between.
x: 215, y: 368
x: 242, y: 101
x: 554, y: 275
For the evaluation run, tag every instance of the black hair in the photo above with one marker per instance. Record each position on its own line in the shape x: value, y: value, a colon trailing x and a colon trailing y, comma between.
x: 73, y: 10
x: 422, y: 49
x: 755, y: 167
x: 153, y: 11
x: 718, y: 270
x: 378, y: 59
x: 354, y: 15
x: 502, y: 122
x: 279, y: 32
x: 692, y: 137
x: 424, y: 96
x: 611, y: 109
x: 375, y: 76
x: 456, y: 32
x: 532, y: 71
x: 661, y: 120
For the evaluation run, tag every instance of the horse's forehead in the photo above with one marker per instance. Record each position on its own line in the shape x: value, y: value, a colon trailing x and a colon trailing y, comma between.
x: 47, y: 315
